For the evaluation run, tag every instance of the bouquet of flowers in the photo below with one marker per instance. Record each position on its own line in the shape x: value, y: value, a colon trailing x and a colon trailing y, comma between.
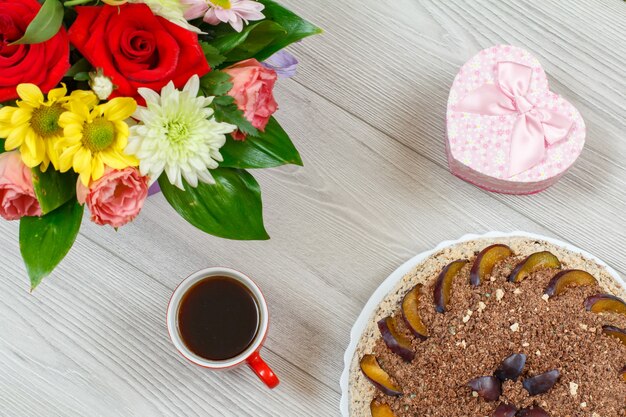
x: 103, y: 99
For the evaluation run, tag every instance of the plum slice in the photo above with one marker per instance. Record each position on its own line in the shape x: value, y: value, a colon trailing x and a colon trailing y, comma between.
x: 443, y: 286
x: 569, y: 278
x: 381, y: 410
x: 411, y: 315
x: 534, y: 262
x: 605, y: 303
x: 541, y: 383
x: 505, y: 410
x: 488, y: 387
x: 395, y: 341
x: 486, y: 260
x: 615, y: 332
x: 533, y: 412
x: 378, y: 377
x: 511, y: 367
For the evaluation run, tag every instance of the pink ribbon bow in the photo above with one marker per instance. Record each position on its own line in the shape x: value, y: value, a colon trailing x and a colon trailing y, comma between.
x: 533, y: 127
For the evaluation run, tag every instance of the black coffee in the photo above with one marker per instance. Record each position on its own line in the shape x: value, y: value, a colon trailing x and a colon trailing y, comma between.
x: 218, y: 318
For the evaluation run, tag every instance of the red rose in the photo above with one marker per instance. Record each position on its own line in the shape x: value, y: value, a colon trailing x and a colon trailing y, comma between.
x: 136, y: 48
x: 43, y: 64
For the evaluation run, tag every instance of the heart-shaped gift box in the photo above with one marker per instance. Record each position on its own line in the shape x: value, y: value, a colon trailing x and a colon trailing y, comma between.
x: 506, y: 131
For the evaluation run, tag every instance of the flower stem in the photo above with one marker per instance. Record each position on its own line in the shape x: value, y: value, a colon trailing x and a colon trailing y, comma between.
x: 75, y: 2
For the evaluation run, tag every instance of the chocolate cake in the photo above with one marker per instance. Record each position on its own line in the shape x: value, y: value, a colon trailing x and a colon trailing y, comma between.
x: 513, y: 327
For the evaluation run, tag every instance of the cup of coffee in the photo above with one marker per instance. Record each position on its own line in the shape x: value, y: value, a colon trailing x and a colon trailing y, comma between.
x: 218, y: 318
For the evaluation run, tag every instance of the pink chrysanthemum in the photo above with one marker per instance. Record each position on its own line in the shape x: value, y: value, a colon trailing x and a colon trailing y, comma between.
x: 234, y: 12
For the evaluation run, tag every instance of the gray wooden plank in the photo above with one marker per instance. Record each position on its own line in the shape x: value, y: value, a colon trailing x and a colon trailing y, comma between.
x: 337, y: 233
x: 398, y: 82
x: 367, y: 113
x: 94, y: 342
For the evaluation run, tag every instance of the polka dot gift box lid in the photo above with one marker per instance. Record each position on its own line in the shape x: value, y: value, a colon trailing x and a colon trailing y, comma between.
x: 506, y: 131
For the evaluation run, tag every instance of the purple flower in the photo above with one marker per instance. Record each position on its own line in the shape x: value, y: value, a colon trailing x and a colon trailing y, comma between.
x: 154, y: 188
x: 283, y: 63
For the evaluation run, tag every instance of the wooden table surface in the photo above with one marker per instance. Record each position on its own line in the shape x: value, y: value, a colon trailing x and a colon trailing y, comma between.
x: 367, y: 111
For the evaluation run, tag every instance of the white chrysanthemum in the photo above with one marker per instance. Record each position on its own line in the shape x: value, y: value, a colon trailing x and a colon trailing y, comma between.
x: 177, y: 134
x: 172, y: 10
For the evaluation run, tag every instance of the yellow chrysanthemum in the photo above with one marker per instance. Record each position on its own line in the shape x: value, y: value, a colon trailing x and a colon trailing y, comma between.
x: 33, y: 126
x: 95, y: 137
x: 86, y: 96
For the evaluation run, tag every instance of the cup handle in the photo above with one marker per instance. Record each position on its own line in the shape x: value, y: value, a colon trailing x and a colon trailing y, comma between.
x: 263, y: 371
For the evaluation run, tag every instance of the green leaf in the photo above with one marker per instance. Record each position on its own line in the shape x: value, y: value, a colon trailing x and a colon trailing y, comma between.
x: 231, y: 208
x: 52, y: 188
x: 212, y: 55
x: 45, y: 25
x: 44, y: 241
x: 82, y: 76
x: 2, y: 150
x: 227, y: 111
x: 81, y: 66
x: 238, y: 46
x: 271, y: 148
x: 8, y: 103
x: 296, y: 27
x: 215, y: 83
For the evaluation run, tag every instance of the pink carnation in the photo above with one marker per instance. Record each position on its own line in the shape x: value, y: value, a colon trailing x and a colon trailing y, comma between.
x: 17, y: 197
x: 253, y: 90
x: 116, y: 198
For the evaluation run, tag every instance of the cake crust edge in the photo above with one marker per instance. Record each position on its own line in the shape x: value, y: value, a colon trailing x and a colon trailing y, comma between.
x: 361, y: 391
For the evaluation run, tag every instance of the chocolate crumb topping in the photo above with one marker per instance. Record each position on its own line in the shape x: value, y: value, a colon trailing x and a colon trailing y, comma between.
x: 485, y: 324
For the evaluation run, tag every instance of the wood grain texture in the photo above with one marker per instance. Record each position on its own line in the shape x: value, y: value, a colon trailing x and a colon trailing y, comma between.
x: 367, y: 111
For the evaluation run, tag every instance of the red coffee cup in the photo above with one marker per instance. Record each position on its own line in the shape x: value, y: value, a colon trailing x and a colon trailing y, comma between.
x: 250, y: 355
